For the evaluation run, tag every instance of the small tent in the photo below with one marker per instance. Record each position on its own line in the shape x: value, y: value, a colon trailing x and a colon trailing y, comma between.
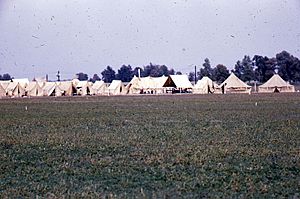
x: 135, y: 86
x: 83, y: 88
x: 116, y: 88
x: 65, y: 88
x: 34, y: 89
x: 98, y: 88
x: 276, y: 84
x: 179, y: 82
x: 51, y: 89
x: 204, y: 86
x: 14, y: 89
x: 234, y: 85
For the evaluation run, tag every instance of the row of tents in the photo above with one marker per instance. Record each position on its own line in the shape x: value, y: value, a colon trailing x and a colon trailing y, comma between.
x: 138, y: 85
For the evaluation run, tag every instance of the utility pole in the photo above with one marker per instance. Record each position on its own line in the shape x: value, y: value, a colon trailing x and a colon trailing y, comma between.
x: 195, y: 75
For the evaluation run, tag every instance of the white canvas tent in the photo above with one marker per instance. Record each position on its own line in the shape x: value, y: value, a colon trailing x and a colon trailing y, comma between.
x: 98, y: 88
x: 204, y: 86
x: 83, y: 88
x: 276, y: 84
x: 64, y: 88
x: 15, y: 89
x: 234, y: 85
x: 116, y: 88
x: 23, y: 82
x: 2, y: 91
x: 4, y: 85
x: 135, y: 86
x: 34, y: 89
x: 180, y: 82
x: 57, y: 89
x: 153, y: 85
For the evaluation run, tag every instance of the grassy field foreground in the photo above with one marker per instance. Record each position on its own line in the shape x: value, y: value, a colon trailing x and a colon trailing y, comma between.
x: 151, y: 146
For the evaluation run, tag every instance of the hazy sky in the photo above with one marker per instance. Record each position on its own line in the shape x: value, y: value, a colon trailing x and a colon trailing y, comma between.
x: 39, y: 37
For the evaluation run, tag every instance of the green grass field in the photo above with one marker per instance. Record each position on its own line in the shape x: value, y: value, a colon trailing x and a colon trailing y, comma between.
x: 151, y: 146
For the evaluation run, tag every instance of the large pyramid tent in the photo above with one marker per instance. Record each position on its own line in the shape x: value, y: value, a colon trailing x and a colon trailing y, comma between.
x: 234, y: 85
x: 276, y: 84
x: 204, y: 86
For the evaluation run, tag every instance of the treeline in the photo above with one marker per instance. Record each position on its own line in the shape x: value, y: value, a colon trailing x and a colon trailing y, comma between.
x: 258, y: 68
x: 126, y: 72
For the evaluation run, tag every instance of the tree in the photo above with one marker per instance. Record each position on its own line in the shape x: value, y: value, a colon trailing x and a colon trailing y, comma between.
x: 108, y: 74
x: 171, y: 72
x: 206, y: 70
x: 191, y: 76
x: 248, y: 69
x: 220, y: 73
x: 178, y: 73
x: 157, y: 70
x: 288, y: 66
x: 5, y: 77
x: 238, y: 69
x: 82, y: 76
x: 265, y: 67
x: 95, y: 78
x: 244, y: 69
x: 125, y: 73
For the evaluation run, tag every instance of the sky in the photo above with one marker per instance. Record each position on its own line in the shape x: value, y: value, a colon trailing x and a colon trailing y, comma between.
x: 39, y: 37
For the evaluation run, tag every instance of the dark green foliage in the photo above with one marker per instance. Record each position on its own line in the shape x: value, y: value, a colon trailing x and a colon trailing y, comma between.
x: 5, y: 76
x: 220, y: 73
x: 95, y: 78
x: 155, y: 70
x: 244, y: 69
x: 288, y: 66
x: 125, y: 73
x: 212, y: 146
x: 82, y: 76
x: 108, y: 74
x: 206, y: 70
x: 265, y: 67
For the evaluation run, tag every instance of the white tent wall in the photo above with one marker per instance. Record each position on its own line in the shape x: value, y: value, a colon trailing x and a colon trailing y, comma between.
x: 180, y: 82
x: 22, y: 82
x: 4, y: 85
x: 83, y: 88
x: 234, y: 85
x: 2, y: 91
x: 116, y: 88
x: 276, y: 83
x: 134, y: 86
x: 49, y: 89
x: 33, y: 89
x: 98, y: 88
x: 65, y: 88
x: 204, y: 86
x: 14, y: 89
x: 159, y: 84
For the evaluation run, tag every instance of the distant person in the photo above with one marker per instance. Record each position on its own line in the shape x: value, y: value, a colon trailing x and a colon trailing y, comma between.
x: 223, y: 88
